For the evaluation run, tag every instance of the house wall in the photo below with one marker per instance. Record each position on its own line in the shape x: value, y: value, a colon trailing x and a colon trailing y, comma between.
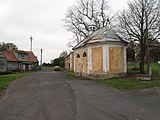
x: 7, y: 65
x: 12, y: 65
x: 3, y: 62
x: 21, y: 56
x: 34, y: 66
x: 102, y: 61
x: 71, y: 58
x: 67, y: 63
x: 29, y: 66
x: 81, y: 60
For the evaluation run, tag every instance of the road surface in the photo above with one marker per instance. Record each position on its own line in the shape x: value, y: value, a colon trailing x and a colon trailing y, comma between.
x: 52, y: 95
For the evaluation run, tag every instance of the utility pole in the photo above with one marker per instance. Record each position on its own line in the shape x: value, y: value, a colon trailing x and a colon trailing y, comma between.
x: 31, y: 38
x: 41, y: 58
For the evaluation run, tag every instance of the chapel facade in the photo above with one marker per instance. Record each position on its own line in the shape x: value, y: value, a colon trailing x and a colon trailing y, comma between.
x: 102, y: 55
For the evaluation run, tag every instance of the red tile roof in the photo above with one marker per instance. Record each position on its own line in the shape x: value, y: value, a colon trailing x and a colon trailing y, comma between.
x: 20, y: 51
x: 31, y: 57
x: 9, y: 55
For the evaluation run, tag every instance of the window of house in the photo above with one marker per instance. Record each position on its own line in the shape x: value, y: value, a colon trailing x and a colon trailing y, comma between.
x: 78, y: 56
x: 2, y: 64
x: 84, y: 54
x: 20, y: 65
x: 1, y: 55
x: 22, y: 56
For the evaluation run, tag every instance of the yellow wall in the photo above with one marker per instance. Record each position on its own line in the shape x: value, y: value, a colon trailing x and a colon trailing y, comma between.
x: 116, y: 59
x: 97, y: 59
x: 81, y: 64
x: 72, y: 61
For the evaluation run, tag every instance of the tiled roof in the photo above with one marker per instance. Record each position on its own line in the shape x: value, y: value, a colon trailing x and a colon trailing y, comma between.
x: 9, y: 55
x: 20, y: 51
x: 31, y: 57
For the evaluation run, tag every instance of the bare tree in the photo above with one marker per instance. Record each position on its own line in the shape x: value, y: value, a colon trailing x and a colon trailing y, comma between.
x: 141, y: 23
x: 78, y: 16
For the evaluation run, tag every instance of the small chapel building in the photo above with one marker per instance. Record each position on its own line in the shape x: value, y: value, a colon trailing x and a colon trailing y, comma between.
x: 102, y: 55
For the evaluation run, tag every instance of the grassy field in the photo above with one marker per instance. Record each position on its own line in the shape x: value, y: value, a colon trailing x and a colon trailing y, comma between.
x: 6, y: 79
x: 130, y: 82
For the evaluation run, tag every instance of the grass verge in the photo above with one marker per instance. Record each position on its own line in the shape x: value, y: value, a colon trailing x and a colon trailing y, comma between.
x: 123, y: 83
x: 71, y: 74
x: 129, y: 83
x: 6, y: 79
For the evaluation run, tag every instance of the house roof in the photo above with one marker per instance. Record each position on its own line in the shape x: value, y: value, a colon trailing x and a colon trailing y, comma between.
x: 9, y: 55
x: 31, y: 57
x: 103, y: 34
x: 21, y: 51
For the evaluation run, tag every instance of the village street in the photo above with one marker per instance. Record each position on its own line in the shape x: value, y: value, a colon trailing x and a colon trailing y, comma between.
x: 51, y: 95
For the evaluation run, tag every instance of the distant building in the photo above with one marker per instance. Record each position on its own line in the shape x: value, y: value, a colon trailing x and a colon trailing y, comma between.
x: 101, y: 55
x: 69, y: 62
x: 17, y: 60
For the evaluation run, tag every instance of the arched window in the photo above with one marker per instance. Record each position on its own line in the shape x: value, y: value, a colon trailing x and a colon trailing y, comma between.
x: 84, y: 54
x: 78, y: 56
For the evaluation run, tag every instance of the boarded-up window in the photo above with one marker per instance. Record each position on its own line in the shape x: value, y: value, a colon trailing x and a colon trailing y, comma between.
x: 116, y: 59
x: 97, y: 59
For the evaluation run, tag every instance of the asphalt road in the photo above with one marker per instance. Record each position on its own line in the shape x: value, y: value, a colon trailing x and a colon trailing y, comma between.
x: 51, y: 95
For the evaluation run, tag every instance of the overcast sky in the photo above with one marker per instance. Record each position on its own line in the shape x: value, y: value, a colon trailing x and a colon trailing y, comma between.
x: 42, y: 19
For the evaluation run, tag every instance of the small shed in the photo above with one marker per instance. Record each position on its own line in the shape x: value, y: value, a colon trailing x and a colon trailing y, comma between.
x: 101, y: 55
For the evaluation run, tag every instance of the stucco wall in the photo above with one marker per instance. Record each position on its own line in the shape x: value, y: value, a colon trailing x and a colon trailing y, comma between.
x: 67, y: 62
x: 71, y: 61
x: 81, y: 61
x: 102, y: 61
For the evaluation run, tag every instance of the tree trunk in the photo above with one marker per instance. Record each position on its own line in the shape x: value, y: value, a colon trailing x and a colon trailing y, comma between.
x: 142, y: 56
x: 142, y: 66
